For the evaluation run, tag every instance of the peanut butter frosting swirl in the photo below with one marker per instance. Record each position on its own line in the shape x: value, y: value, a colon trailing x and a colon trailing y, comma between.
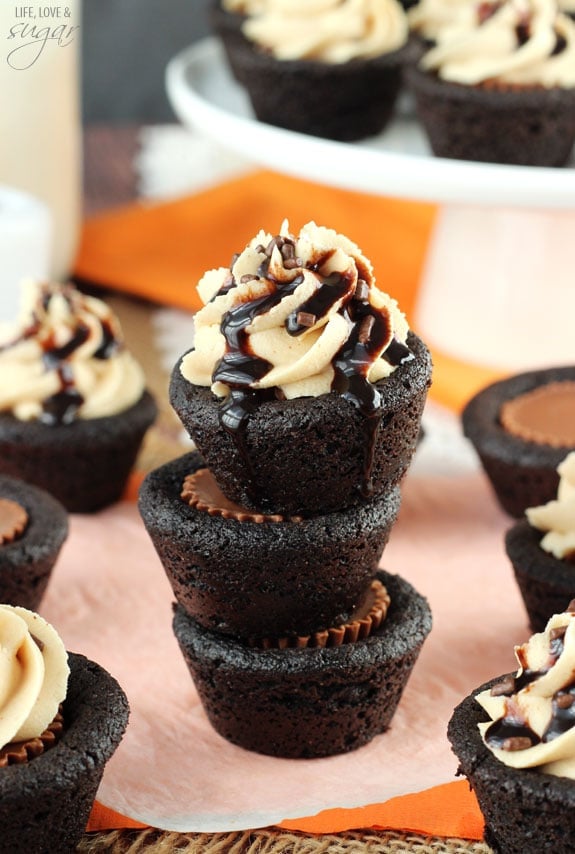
x: 430, y: 18
x: 330, y: 31
x: 297, y: 316
x: 33, y: 674
x: 66, y: 359
x: 514, y: 42
x: 533, y: 714
x: 557, y: 517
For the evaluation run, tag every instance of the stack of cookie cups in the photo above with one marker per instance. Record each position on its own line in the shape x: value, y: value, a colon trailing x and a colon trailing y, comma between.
x: 271, y: 537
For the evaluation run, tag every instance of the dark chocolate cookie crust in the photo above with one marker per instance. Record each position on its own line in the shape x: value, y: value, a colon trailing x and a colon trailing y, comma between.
x: 522, y: 474
x: 45, y: 803
x: 527, y: 126
x: 547, y: 584
x: 345, y: 101
x: 304, y: 703
x: 269, y: 579
x: 308, y: 455
x: 86, y: 464
x: 526, y: 812
x: 26, y: 563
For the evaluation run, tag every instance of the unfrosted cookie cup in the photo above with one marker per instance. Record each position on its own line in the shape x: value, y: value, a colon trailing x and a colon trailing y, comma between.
x: 522, y: 472
x: 310, y: 702
x: 29, y: 551
x: 269, y: 578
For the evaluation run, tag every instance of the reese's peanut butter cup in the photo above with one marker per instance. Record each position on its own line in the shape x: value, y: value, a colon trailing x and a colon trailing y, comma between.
x: 361, y: 624
x: 18, y: 752
x: 200, y: 490
x: 545, y: 414
x: 13, y: 520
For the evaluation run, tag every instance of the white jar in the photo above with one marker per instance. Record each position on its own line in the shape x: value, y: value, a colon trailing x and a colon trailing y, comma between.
x: 40, y: 125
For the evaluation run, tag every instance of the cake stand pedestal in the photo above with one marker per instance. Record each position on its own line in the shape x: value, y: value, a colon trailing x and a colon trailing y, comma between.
x: 497, y: 287
x: 496, y: 290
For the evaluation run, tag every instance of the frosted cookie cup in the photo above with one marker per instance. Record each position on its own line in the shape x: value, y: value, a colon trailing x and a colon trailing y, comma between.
x: 305, y: 390
x: 73, y: 405
x: 330, y: 69
x: 514, y: 739
x: 500, y: 87
x: 46, y: 797
x: 541, y: 549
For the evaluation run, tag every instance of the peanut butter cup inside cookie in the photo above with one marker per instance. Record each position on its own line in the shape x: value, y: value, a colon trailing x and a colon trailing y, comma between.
x: 545, y: 415
x: 13, y: 520
x: 272, y: 579
x: 520, y: 455
x: 315, y: 701
x: 33, y: 529
x: 361, y: 624
x: 18, y: 752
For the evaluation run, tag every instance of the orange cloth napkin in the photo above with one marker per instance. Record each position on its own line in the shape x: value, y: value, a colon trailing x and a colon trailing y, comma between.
x: 450, y: 810
x: 159, y: 251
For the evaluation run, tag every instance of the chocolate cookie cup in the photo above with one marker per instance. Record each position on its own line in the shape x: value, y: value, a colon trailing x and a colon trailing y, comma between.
x: 525, y: 811
x: 254, y: 579
x: 546, y: 583
x: 341, y: 101
x: 305, y: 703
x: 45, y: 803
x: 526, y: 126
x: 29, y: 551
x: 522, y: 473
x: 85, y: 464
x: 310, y: 456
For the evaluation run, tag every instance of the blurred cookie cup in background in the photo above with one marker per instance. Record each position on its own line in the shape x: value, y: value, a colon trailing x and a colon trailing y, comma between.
x: 498, y: 84
x: 541, y: 548
x: 73, y: 404
x: 521, y: 428
x: 329, y: 68
x: 62, y: 717
x: 33, y: 528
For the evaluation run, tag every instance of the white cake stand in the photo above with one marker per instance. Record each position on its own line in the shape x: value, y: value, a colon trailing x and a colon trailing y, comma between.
x: 497, y: 288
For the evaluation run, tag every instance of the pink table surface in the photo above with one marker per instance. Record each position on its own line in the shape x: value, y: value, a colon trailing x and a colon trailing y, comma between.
x: 110, y: 600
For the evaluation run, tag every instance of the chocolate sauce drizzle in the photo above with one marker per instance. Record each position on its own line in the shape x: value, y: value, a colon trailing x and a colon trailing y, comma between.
x: 62, y: 407
x: 370, y: 332
x: 512, y: 732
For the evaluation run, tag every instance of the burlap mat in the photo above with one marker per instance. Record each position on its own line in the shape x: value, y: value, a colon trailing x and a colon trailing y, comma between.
x: 273, y: 842
x: 164, y: 442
